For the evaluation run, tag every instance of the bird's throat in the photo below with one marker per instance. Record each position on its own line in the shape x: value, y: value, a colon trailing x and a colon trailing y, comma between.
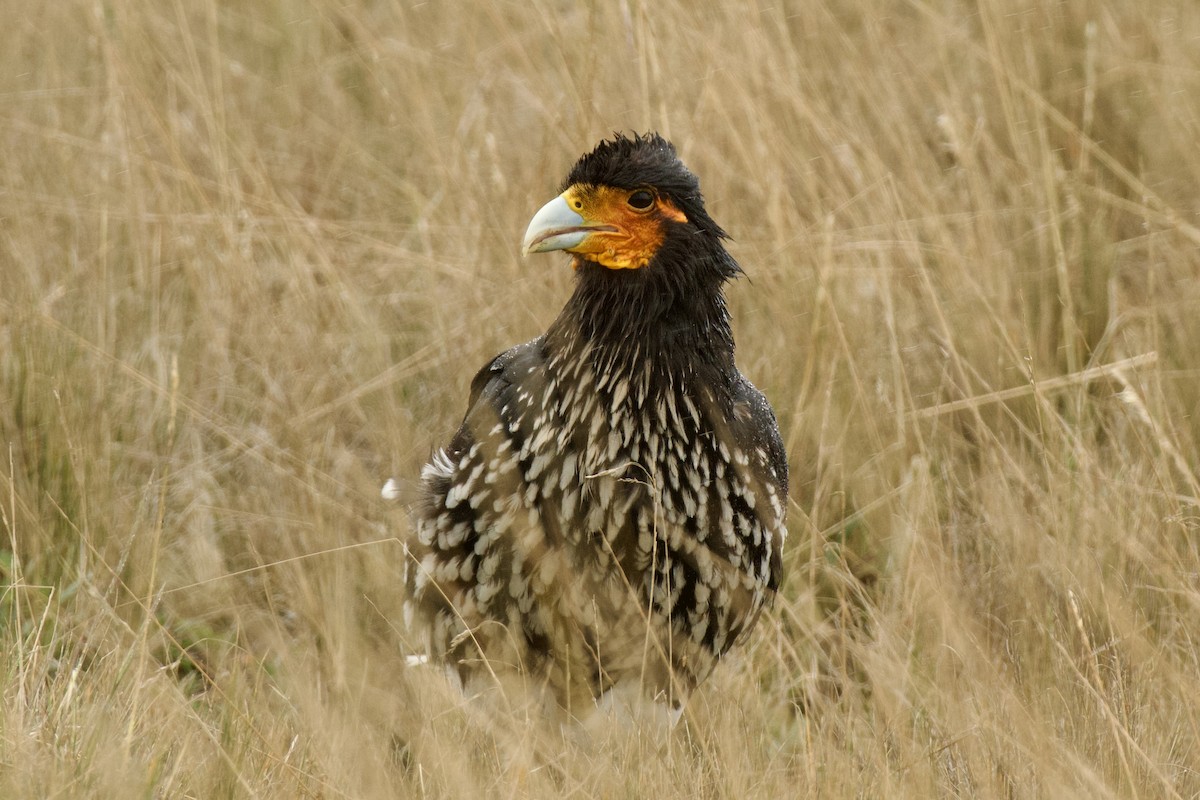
x: 628, y: 324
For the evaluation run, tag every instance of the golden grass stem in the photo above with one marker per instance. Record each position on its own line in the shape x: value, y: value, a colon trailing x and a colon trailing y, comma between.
x: 1089, y: 375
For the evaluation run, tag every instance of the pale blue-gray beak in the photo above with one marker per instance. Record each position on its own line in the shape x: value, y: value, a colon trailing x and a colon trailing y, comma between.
x: 556, y: 226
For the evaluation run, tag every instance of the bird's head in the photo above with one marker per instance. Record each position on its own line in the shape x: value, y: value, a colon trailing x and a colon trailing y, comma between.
x: 627, y: 205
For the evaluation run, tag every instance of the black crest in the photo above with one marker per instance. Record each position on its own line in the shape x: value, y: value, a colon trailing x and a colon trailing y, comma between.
x: 645, y: 160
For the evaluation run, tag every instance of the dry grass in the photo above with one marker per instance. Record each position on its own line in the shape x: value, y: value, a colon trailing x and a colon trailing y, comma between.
x: 251, y: 255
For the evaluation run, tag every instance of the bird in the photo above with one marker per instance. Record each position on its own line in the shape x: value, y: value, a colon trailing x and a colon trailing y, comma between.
x: 609, y: 519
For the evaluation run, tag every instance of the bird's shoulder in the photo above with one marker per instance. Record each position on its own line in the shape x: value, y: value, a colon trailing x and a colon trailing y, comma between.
x: 492, y: 391
x: 757, y: 428
x: 506, y: 370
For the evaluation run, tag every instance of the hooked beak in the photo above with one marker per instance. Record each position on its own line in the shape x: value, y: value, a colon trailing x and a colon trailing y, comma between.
x: 557, y: 226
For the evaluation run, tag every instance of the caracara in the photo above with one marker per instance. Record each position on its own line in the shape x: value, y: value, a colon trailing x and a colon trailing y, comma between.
x: 611, y: 512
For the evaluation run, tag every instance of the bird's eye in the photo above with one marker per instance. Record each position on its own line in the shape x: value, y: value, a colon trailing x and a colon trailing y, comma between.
x: 641, y: 200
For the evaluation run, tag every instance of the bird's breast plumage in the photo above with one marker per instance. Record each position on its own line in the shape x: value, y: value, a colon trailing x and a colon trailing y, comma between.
x: 608, y: 520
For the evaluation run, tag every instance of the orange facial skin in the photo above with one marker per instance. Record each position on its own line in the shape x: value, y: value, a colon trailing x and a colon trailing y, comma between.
x: 627, y: 236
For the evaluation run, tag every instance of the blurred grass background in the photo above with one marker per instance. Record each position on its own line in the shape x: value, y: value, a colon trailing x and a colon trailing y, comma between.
x: 251, y: 255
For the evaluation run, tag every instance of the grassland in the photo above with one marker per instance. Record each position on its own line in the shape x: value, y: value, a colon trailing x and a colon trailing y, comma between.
x: 251, y: 255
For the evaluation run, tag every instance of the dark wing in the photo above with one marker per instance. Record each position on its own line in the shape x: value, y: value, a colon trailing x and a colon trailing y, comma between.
x: 458, y: 520
x: 758, y: 432
x: 759, y: 429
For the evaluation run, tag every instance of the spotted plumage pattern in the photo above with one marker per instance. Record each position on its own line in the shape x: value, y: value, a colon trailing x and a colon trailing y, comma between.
x: 611, y: 511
